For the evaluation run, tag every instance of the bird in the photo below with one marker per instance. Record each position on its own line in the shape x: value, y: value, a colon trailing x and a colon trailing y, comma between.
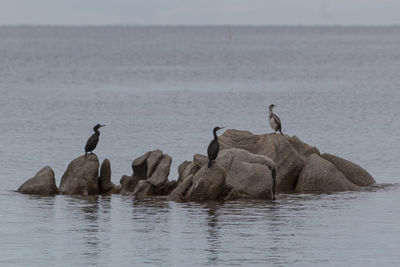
x: 93, y: 140
x: 274, y: 120
x: 213, y: 147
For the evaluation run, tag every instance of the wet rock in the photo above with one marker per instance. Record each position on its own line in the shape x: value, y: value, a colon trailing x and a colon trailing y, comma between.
x: 105, y: 183
x: 178, y: 193
x: 43, y: 183
x: 279, y: 148
x: 81, y: 176
x: 352, y: 171
x: 128, y: 184
x: 207, y: 184
x: 250, y: 175
x: 143, y: 189
x: 319, y: 175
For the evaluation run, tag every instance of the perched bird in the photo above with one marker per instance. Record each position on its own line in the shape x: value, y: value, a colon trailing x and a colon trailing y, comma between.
x: 213, y: 147
x: 93, y: 140
x: 274, y: 121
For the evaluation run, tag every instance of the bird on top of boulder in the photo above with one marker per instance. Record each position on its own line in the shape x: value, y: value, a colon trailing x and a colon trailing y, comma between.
x: 213, y: 147
x: 274, y: 120
x: 93, y: 140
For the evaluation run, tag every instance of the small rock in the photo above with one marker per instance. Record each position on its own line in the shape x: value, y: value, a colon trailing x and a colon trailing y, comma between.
x: 43, y: 183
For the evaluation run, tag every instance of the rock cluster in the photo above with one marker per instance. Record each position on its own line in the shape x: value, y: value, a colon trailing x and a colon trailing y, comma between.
x: 150, y: 175
x: 248, y: 166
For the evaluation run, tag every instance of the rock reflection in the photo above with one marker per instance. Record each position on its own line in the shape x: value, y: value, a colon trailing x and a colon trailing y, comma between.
x: 213, y: 239
x: 84, y: 211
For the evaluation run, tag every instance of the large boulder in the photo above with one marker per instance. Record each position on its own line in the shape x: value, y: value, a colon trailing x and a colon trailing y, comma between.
x: 352, y: 171
x: 288, y: 160
x: 250, y: 175
x: 81, y: 176
x: 105, y: 184
x: 207, y: 184
x: 319, y: 175
x: 43, y: 183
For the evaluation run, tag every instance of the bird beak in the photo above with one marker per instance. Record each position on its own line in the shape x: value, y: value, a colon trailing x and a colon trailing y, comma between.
x: 222, y: 128
x: 102, y: 125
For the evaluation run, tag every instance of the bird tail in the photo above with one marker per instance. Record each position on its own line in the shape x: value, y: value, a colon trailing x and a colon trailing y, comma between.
x: 209, y: 164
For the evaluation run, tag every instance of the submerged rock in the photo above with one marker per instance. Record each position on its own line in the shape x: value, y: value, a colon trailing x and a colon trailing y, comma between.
x: 319, y: 175
x: 352, y: 171
x: 81, y: 176
x: 43, y: 183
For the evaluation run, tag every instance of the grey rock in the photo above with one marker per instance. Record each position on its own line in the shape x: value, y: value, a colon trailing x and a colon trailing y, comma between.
x: 178, y: 193
x: 105, y: 183
x: 352, y: 171
x: 200, y: 159
x: 81, y: 176
x: 43, y: 183
x: 288, y: 160
x: 161, y: 173
x: 250, y: 175
x: 319, y: 175
x: 143, y: 189
x: 153, y: 161
x: 128, y: 184
x: 207, y: 184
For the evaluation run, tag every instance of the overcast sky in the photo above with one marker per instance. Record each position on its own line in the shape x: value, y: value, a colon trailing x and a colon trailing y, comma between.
x: 203, y: 12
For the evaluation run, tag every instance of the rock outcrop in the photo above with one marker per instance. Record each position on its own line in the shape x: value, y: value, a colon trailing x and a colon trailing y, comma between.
x: 251, y: 162
x: 352, y: 171
x: 43, y: 183
x: 319, y: 175
x: 289, y: 160
x: 150, y: 175
x: 81, y: 176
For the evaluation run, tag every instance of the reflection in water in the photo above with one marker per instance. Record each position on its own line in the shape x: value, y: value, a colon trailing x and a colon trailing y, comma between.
x: 84, y: 212
x: 296, y: 229
x: 213, y: 241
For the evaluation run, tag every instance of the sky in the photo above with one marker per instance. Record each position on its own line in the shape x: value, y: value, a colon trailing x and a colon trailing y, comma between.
x: 200, y: 12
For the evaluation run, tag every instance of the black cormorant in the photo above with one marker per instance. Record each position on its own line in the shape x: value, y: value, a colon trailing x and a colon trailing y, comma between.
x: 274, y: 121
x: 213, y: 147
x: 93, y: 140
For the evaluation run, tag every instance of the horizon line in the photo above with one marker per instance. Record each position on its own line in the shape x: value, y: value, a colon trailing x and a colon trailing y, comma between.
x: 198, y: 25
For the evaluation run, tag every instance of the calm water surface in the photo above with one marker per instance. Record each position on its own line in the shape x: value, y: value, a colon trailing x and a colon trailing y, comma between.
x: 165, y: 87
